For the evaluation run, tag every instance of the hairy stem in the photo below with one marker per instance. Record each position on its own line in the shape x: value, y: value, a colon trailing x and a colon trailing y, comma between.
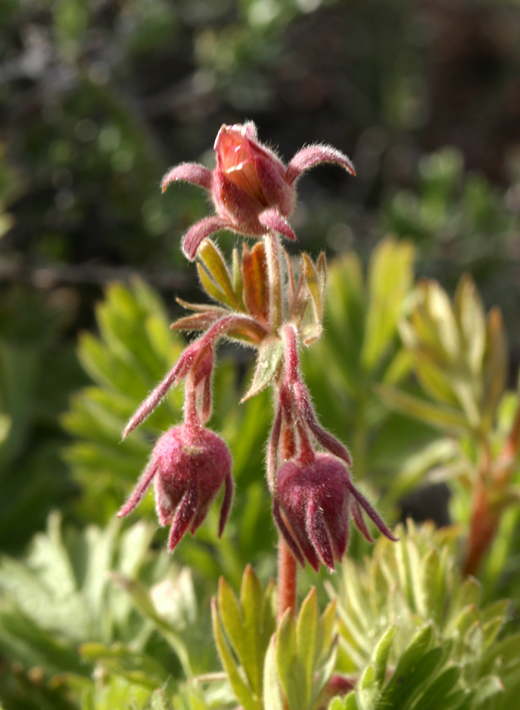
x: 274, y: 273
x: 287, y: 566
x: 287, y: 579
x: 287, y: 569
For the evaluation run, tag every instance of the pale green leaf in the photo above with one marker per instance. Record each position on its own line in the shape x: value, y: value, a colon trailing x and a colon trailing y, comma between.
x: 273, y: 698
x: 443, y: 418
x: 389, y: 281
x: 269, y: 359
x: 307, y: 640
x: 240, y: 688
x: 381, y: 653
x: 216, y: 267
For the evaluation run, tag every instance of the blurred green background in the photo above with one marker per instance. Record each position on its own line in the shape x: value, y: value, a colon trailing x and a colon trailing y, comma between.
x: 99, y: 98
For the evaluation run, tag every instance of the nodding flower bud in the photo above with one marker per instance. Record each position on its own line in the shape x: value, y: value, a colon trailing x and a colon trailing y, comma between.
x: 188, y: 465
x: 312, y: 504
x: 312, y: 507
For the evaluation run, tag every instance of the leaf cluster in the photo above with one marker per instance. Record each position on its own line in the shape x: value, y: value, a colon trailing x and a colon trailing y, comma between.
x: 416, y: 633
x: 66, y: 609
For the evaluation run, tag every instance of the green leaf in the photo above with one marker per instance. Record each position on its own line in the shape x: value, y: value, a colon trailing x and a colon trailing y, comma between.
x: 273, y: 698
x: 389, y: 281
x: 144, y: 604
x: 434, y: 698
x: 307, y: 641
x: 496, y: 364
x: 381, y: 654
x: 237, y: 274
x: 443, y: 418
x: 211, y: 288
x: 507, y: 650
x: 412, y: 669
x: 472, y: 324
x: 256, y: 622
x: 135, y: 666
x: 242, y: 632
x: 436, y: 318
x: 217, y: 269
x: 417, y: 676
x: 486, y: 688
x: 240, y: 688
x: 269, y: 359
x: 313, y: 284
x: 351, y: 702
x: 290, y: 669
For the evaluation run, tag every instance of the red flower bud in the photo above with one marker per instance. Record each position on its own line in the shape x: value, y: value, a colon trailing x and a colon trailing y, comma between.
x: 312, y: 504
x: 248, y: 179
x: 313, y: 509
x: 189, y: 465
x: 252, y: 190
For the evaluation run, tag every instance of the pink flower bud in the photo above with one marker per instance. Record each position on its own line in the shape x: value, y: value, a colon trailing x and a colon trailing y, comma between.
x: 313, y: 510
x: 312, y: 504
x: 189, y: 465
x: 252, y: 190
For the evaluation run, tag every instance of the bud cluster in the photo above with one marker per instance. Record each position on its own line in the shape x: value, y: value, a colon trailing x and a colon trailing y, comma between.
x: 262, y: 303
x: 313, y: 494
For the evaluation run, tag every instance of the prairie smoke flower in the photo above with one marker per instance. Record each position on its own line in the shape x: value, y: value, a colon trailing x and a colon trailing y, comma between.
x: 253, y: 192
x: 188, y: 465
x: 313, y: 501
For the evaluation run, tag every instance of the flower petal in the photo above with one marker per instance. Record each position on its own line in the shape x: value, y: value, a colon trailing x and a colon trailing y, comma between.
x: 308, y: 158
x: 189, y: 172
x: 198, y: 233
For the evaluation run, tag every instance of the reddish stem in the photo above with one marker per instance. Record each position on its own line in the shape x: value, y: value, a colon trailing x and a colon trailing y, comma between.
x: 484, y: 523
x: 287, y: 566
x: 485, y: 518
x: 287, y: 579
